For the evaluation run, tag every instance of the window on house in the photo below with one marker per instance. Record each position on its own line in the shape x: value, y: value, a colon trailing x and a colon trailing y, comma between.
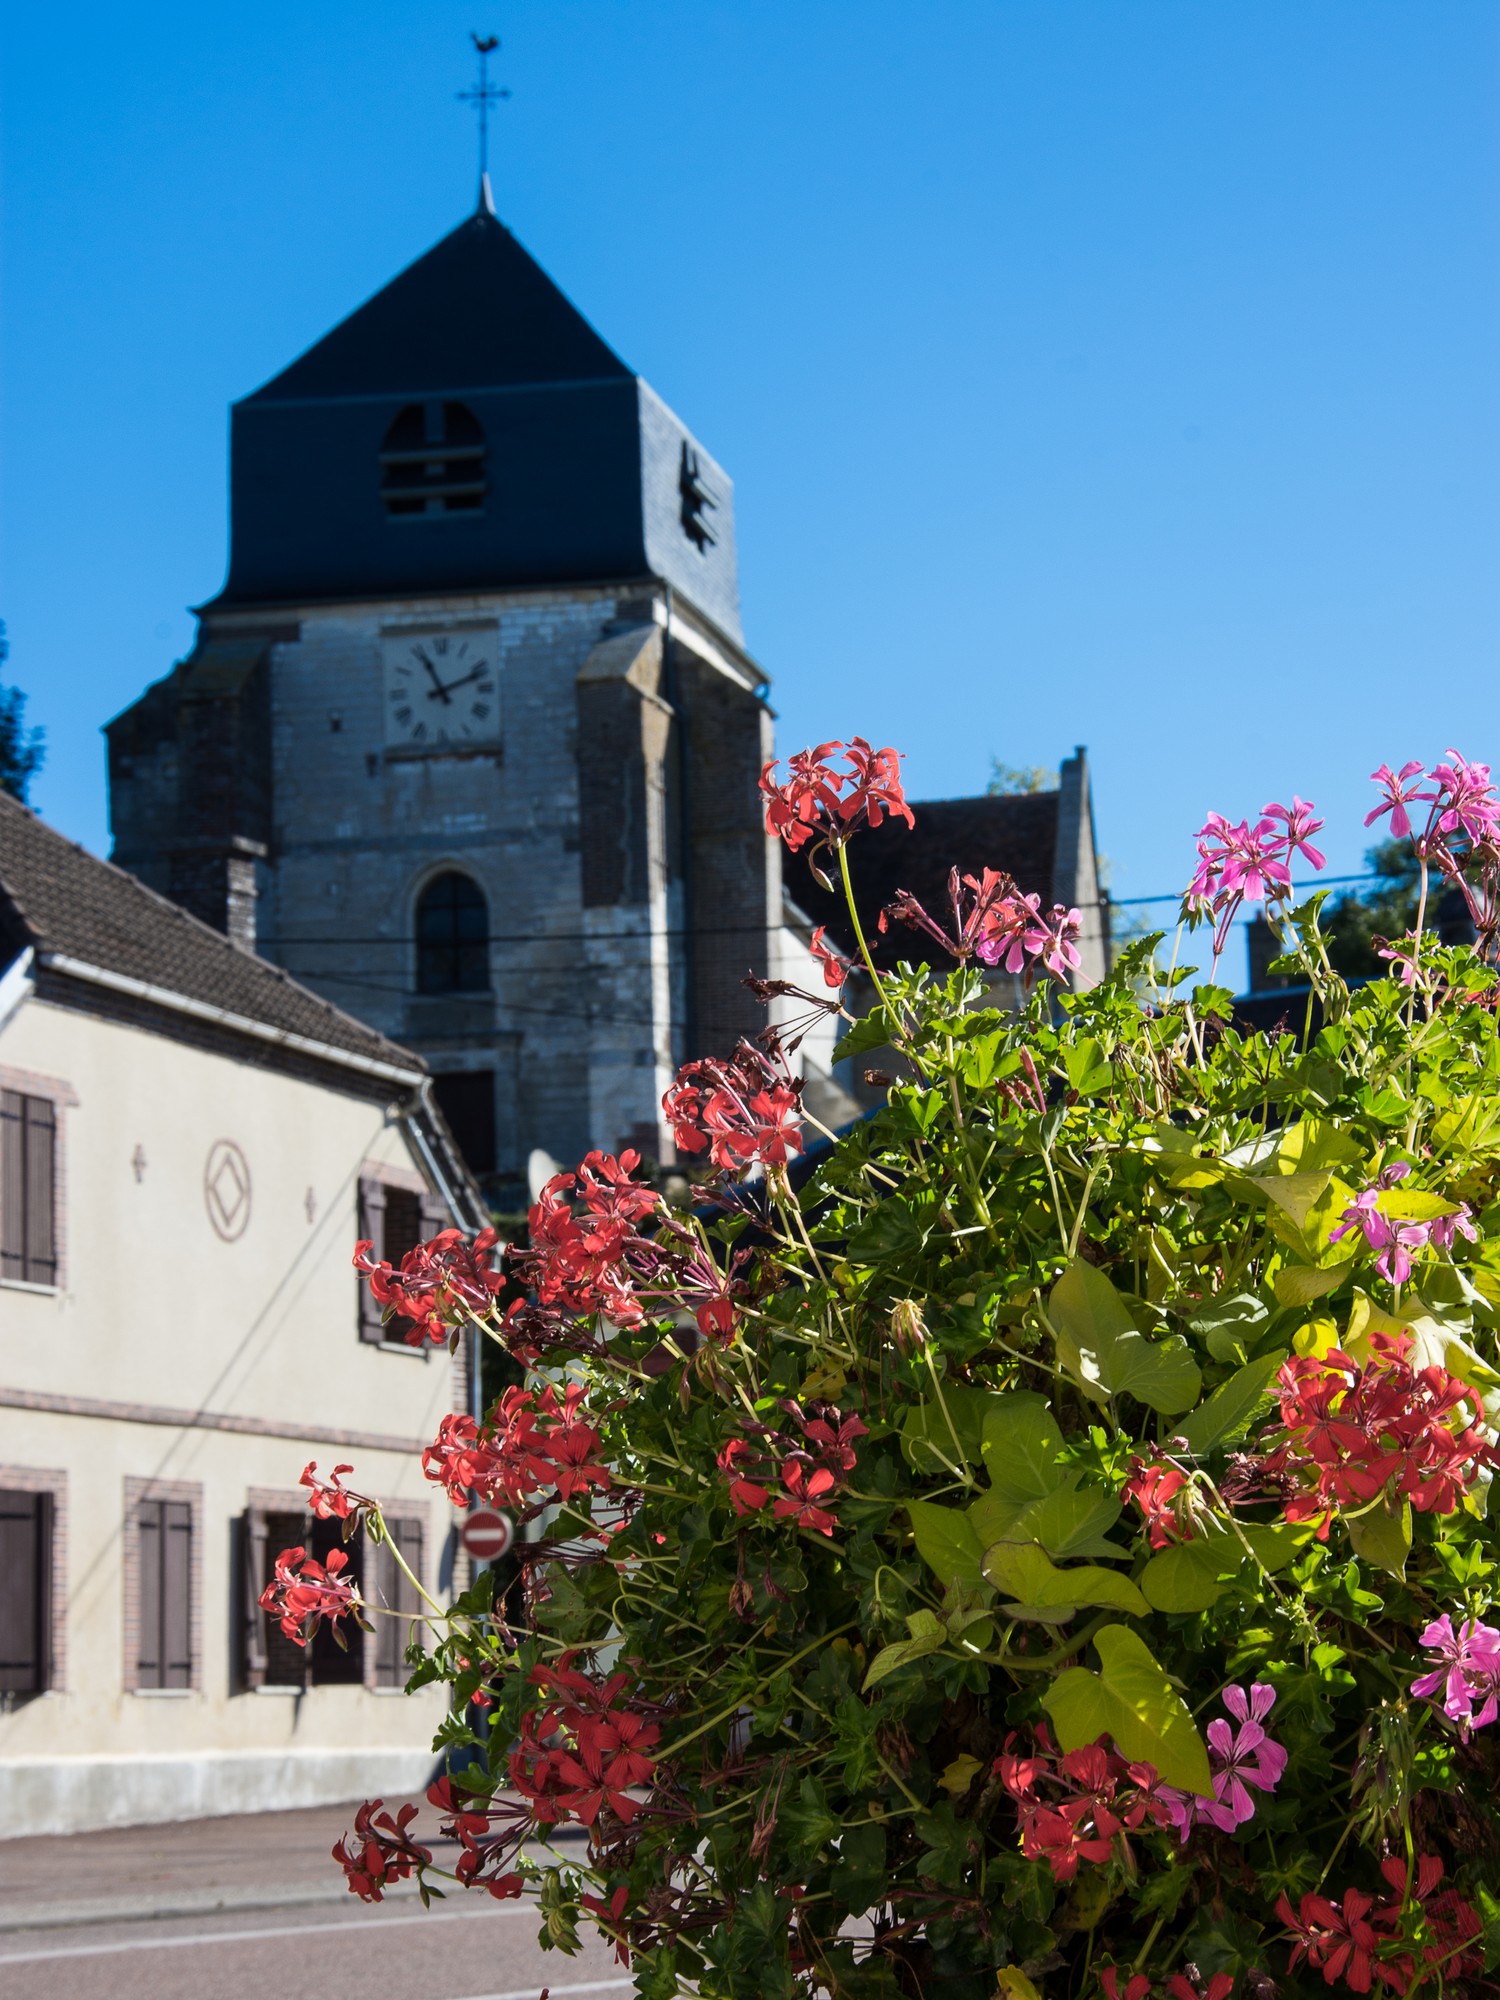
x: 466, y: 1098
x: 395, y: 1591
x: 395, y: 1218
x: 432, y: 461
x: 453, y: 936
x: 698, y: 501
x: 271, y: 1659
x: 25, y: 1591
x: 164, y: 1544
x: 28, y: 1188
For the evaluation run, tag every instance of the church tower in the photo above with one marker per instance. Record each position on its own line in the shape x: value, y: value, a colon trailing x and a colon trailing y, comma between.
x: 469, y: 740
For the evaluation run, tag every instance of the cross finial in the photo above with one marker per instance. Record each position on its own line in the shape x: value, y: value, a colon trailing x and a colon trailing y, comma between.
x: 482, y: 96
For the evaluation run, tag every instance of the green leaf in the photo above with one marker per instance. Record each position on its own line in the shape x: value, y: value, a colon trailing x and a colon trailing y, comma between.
x: 1023, y: 1571
x: 873, y: 1032
x: 1099, y: 1346
x: 1293, y: 1194
x: 947, y: 1543
x: 1189, y: 1577
x: 928, y: 1633
x: 1088, y: 1070
x: 1072, y: 1520
x: 928, y: 1441
x: 1413, y: 1204
x: 1381, y: 1535
x: 1022, y: 1448
x: 1132, y: 1700
x: 888, y: 1233
x: 1229, y: 1323
x: 1300, y: 1284
x: 1230, y: 1405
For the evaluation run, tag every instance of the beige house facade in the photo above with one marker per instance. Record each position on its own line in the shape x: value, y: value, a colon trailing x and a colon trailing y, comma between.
x: 190, y: 1145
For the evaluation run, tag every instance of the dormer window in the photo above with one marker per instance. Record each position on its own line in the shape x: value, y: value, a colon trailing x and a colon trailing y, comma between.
x: 432, y: 461
x: 697, y: 501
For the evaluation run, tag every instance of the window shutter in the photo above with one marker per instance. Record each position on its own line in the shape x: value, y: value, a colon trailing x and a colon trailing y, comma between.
x: 255, y: 1570
x: 41, y: 1156
x: 176, y: 1650
x: 371, y: 1225
x: 25, y: 1558
x: 12, y: 1184
x: 148, y: 1529
x: 397, y: 1594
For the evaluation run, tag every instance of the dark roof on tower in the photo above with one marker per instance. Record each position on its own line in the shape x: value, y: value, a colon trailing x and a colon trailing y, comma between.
x: 67, y: 904
x: 477, y: 311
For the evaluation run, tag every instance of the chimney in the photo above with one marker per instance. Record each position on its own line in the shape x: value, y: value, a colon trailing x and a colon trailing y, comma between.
x: 1263, y: 945
x: 215, y: 881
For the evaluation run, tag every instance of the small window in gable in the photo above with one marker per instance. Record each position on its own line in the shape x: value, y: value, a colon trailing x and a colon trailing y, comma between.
x: 432, y: 461
x: 698, y: 501
x: 453, y: 936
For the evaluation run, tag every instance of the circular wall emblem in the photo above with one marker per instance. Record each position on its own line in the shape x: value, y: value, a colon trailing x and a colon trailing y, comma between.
x: 226, y: 1189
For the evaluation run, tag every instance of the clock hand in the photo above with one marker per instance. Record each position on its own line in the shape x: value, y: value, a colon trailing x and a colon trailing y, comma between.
x: 446, y: 688
x: 437, y: 688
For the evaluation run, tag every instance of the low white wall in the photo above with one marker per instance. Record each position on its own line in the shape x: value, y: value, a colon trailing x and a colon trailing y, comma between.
x: 77, y: 1794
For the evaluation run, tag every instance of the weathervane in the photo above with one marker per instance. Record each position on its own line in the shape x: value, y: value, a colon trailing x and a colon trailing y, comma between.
x: 482, y: 96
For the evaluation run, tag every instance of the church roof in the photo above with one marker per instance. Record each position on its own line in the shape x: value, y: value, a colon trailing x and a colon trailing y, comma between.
x: 1014, y: 832
x: 477, y: 311
x: 69, y: 905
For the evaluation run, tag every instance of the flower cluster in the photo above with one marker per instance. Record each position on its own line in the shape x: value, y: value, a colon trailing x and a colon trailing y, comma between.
x: 810, y: 1473
x: 1244, y: 861
x: 1468, y: 1670
x: 440, y: 1283
x: 740, y: 1112
x: 1238, y: 1759
x: 1353, y: 1432
x: 1358, y: 1940
x: 534, y: 1442
x: 304, y: 1592
x: 1398, y: 1239
x: 1072, y: 1808
x: 1460, y: 835
x: 1162, y: 1494
x: 996, y: 924
x: 328, y: 1499
x: 383, y: 1850
x: 581, y: 1228
x: 819, y: 803
x: 583, y: 1750
x: 1180, y: 1986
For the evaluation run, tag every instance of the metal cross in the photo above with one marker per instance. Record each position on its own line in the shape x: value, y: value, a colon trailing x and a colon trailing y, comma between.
x: 483, y: 95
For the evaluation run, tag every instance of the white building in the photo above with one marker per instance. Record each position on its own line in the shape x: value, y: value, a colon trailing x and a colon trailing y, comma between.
x: 189, y: 1145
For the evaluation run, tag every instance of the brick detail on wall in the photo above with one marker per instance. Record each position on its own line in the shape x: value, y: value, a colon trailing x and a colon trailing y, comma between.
x: 136, y: 1490
x: 33, y: 1479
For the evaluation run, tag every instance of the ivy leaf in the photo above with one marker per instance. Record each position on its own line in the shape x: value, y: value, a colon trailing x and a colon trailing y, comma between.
x: 1381, y: 1535
x: 947, y: 1543
x: 928, y: 1633
x: 873, y: 1032
x: 1230, y: 1405
x: 1191, y: 1576
x: 1069, y: 1521
x: 928, y: 1440
x: 1022, y: 1448
x: 1229, y: 1322
x: 1027, y: 1573
x: 1300, y: 1284
x: 1098, y: 1344
x: 1132, y: 1700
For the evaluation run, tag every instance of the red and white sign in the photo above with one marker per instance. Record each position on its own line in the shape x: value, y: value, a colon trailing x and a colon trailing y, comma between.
x: 486, y: 1534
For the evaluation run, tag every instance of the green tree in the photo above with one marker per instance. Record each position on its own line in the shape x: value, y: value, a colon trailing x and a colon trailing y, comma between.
x: 21, y: 749
x: 1006, y: 780
x: 1387, y: 908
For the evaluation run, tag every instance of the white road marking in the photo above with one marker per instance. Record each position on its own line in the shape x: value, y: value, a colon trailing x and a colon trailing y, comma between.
x: 557, y: 1992
x: 269, y: 1931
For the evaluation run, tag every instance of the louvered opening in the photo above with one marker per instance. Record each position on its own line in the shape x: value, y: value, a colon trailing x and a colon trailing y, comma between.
x: 432, y: 461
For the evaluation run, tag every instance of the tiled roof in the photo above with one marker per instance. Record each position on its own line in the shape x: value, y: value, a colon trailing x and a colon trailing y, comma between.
x: 1014, y: 832
x: 67, y: 903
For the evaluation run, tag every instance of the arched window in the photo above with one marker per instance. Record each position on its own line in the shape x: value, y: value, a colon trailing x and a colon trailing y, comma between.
x: 432, y: 461
x: 453, y: 936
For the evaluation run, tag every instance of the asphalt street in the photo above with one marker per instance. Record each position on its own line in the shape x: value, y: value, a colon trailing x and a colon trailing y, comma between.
x: 231, y: 1908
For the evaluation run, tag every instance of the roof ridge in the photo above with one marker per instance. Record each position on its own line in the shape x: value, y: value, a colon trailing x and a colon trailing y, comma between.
x: 175, y: 911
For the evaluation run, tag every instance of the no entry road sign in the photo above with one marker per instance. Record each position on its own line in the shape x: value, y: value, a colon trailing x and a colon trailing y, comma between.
x: 486, y: 1534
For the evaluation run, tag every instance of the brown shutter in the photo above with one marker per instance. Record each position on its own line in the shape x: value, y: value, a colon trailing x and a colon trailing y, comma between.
x: 12, y: 1184
x: 371, y: 1225
x: 255, y: 1568
x: 397, y: 1594
x: 176, y: 1650
x: 41, y: 1157
x: 25, y: 1563
x: 148, y: 1530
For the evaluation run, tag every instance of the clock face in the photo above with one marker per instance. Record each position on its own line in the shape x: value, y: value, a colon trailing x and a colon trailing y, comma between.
x: 442, y: 691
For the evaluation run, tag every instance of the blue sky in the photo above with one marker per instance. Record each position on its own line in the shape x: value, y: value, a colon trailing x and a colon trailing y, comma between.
x: 1089, y: 372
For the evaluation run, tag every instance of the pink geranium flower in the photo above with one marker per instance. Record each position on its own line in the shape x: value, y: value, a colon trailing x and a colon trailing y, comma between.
x: 1239, y: 1758
x: 1468, y: 1670
x: 1399, y: 795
